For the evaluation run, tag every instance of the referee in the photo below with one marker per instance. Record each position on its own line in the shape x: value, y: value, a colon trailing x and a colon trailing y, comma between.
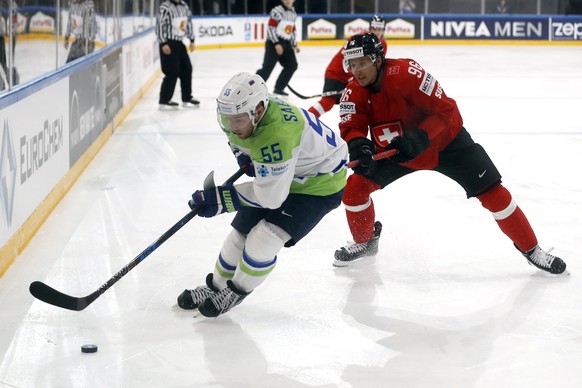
x: 81, y: 26
x: 174, y: 23
x: 281, y: 45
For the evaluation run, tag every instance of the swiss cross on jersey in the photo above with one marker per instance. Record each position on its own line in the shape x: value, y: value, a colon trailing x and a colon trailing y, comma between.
x: 384, y: 133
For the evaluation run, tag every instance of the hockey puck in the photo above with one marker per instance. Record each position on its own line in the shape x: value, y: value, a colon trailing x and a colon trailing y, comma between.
x: 89, y: 348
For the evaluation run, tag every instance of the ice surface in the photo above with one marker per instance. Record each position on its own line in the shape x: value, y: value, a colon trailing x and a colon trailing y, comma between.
x: 447, y: 302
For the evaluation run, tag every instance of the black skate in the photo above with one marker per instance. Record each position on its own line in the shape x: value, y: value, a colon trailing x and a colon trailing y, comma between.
x: 544, y: 261
x: 223, y: 301
x: 354, y: 252
x: 191, y: 299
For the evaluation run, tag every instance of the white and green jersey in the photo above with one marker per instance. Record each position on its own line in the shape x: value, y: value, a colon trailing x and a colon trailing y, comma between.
x: 292, y: 152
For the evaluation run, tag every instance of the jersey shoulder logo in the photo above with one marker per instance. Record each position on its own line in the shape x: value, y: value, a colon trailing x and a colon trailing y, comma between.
x: 393, y: 70
x: 427, y: 84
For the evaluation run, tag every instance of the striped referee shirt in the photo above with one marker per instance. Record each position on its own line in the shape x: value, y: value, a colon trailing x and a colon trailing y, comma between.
x: 174, y: 22
x: 282, y: 25
x: 81, y: 23
x: 4, y: 23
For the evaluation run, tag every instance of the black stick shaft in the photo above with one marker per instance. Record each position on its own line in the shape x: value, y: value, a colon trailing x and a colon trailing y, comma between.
x: 304, y: 97
x: 49, y: 295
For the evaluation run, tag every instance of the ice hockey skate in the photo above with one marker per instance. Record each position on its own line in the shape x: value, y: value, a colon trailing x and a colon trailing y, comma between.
x: 281, y: 93
x: 221, y: 302
x: 191, y: 103
x: 170, y: 105
x: 191, y: 299
x: 354, y: 251
x: 543, y: 260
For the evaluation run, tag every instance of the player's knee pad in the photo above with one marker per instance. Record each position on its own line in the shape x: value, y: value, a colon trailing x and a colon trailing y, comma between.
x: 232, y: 247
x: 498, y: 201
x: 264, y: 241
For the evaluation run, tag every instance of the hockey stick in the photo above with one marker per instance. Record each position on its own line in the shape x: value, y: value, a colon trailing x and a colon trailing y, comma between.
x: 325, y: 94
x: 51, y: 296
x: 378, y: 156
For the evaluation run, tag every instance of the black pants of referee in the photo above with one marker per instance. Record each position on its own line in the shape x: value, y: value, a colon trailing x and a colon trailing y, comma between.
x: 174, y: 66
x: 79, y: 48
x: 287, y: 60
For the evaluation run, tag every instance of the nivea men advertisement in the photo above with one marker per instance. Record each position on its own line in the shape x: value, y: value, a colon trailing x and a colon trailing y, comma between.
x: 486, y: 28
x: 86, y: 109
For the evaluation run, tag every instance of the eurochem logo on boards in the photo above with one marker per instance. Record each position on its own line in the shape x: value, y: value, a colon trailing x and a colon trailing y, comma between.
x: 7, y: 174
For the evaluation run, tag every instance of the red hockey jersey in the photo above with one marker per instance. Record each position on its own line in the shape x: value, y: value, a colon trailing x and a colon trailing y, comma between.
x: 409, y: 98
x: 335, y: 69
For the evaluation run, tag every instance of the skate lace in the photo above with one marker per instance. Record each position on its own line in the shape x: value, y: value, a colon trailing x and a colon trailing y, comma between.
x: 225, y: 300
x: 355, y: 247
x: 543, y: 258
x: 199, y: 294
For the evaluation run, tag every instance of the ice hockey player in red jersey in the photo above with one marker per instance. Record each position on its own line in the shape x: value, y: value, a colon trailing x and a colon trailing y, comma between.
x: 396, y: 104
x: 336, y: 78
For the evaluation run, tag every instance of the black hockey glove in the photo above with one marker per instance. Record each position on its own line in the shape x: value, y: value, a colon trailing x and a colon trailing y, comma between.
x: 362, y: 149
x: 244, y: 161
x: 411, y: 144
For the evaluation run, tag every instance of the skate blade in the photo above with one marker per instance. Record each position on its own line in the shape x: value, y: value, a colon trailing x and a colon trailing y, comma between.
x: 343, y: 264
x: 545, y: 273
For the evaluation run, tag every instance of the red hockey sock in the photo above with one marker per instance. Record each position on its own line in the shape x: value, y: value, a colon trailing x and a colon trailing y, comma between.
x: 360, y: 207
x: 511, y: 220
x: 323, y: 105
x: 361, y: 223
x: 314, y: 110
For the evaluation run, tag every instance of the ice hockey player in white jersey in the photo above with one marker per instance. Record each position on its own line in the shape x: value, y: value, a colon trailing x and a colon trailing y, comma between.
x: 299, y: 170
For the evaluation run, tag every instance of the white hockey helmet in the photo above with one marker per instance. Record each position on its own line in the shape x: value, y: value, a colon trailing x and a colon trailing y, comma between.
x: 377, y: 22
x: 241, y: 95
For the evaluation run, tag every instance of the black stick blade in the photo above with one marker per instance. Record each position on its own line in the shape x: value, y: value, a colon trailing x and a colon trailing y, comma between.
x: 56, y: 298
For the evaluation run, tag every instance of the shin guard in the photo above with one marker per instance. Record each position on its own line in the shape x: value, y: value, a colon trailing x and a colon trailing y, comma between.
x: 360, y: 207
x: 511, y: 220
x: 259, y: 258
x: 230, y: 255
